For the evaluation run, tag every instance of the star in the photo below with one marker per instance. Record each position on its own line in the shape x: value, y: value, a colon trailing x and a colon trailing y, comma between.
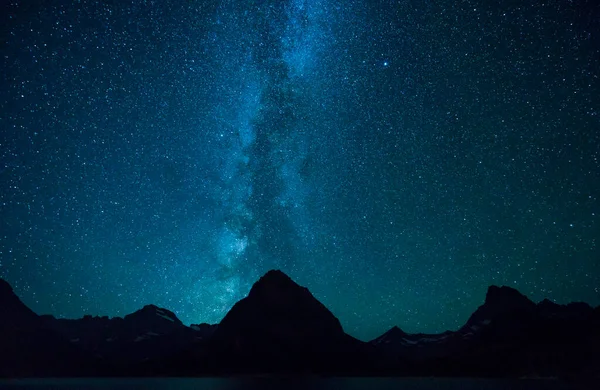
x: 131, y: 178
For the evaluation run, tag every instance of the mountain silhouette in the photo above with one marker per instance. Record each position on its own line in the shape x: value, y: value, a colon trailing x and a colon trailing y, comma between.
x: 15, y: 313
x: 281, y: 328
x: 28, y: 348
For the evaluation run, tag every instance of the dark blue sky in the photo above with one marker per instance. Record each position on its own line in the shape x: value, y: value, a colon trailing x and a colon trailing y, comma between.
x: 395, y: 157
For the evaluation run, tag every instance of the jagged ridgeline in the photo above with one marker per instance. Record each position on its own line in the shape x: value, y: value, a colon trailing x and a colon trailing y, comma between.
x: 281, y: 328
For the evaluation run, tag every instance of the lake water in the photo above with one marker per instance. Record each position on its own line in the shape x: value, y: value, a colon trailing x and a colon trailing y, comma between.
x: 284, y: 384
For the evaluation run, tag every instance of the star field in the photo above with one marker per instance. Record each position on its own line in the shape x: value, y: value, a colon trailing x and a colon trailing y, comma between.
x: 395, y: 157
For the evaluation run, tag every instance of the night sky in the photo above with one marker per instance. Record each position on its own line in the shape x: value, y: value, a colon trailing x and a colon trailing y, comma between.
x: 395, y: 157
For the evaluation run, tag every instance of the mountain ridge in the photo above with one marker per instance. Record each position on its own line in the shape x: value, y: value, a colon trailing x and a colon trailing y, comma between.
x: 7, y: 286
x: 280, y: 327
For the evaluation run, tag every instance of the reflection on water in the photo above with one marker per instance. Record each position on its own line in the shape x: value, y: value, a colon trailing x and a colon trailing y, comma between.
x: 284, y: 383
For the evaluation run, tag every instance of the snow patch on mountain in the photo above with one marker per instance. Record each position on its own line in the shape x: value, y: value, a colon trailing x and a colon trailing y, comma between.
x: 165, y: 316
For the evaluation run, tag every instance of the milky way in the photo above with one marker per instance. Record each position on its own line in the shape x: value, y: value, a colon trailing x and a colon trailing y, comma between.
x: 394, y: 157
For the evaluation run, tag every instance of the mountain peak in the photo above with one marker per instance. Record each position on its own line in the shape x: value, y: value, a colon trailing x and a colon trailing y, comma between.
x: 500, y: 301
x: 276, y: 274
x: 151, y: 309
x: 278, y: 313
x: 274, y: 282
x: 396, y: 329
x: 152, y: 314
x: 392, y: 335
x: 506, y: 296
x: 277, y: 292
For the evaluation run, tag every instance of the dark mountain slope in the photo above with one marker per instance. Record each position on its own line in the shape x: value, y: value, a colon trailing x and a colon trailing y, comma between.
x: 508, y: 335
x: 147, y: 334
x: 29, y: 348
x: 281, y: 327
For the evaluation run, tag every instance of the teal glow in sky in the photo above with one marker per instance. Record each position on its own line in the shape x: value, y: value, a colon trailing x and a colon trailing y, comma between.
x: 394, y: 157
